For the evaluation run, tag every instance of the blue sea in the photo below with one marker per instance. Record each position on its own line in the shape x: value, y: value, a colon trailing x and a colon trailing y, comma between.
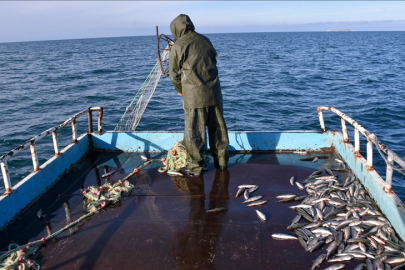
x: 270, y: 82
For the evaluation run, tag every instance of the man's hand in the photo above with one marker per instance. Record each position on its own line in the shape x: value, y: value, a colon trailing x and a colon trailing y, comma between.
x: 181, y: 94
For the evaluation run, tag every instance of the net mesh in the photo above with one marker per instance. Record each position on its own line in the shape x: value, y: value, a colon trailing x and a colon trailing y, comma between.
x: 133, y: 113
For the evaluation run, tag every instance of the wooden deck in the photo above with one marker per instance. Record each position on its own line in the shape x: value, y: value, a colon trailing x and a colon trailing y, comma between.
x: 164, y: 224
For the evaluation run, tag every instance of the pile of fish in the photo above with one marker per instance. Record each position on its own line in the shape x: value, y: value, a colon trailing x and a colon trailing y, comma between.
x: 342, y: 216
x: 252, y: 201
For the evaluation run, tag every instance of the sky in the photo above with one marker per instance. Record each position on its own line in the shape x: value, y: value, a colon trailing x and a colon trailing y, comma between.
x: 52, y: 20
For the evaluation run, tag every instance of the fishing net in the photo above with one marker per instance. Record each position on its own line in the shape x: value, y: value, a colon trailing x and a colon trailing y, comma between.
x: 96, y: 199
x: 176, y: 158
x: 133, y: 113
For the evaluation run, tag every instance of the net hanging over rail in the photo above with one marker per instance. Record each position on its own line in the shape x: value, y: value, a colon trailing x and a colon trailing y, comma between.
x: 133, y: 113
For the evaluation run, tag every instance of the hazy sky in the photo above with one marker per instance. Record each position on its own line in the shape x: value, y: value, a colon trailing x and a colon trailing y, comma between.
x: 35, y: 20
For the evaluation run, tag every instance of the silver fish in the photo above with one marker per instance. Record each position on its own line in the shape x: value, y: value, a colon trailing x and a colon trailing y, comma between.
x: 336, y: 266
x: 316, y: 173
x: 40, y: 214
x: 143, y: 157
x: 331, y: 250
x: 356, y: 255
x: 287, y: 200
x: 240, y: 191
x: 257, y: 203
x: 220, y: 209
x: 322, y: 231
x: 369, y: 265
x: 326, y: 177
x: 296, y: 219
x: 286, y: 196
x: 174, y: 173
x: 255, y: 198
x: 362, y: 247
x: 360, y: 266
x: 318, y: 261
x: 253, y: 189
x: 299, y: 185
x: 301, y: 206
x: 341, y: 258
x: 328, y: 171
x: 395, y: 260
x: 261, y: 215
x: 108, y: 174
x: 247, y: 186
x: 246, y: 194
x: 317, y: 246
x: 283, y: 236
x: 303, y: 243
x: 292, y: 180
x: 319, y: 213
x: 315, y: 160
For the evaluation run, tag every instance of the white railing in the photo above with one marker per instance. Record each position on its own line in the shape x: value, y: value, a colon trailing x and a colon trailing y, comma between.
x: 371, y: 139
x: 53, y: 131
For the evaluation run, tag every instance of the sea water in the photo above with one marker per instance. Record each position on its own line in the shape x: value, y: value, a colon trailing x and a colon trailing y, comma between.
x: 270, y: 82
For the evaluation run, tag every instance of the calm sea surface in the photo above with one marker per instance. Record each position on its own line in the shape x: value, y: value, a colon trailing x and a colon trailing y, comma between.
x: 270, y: 81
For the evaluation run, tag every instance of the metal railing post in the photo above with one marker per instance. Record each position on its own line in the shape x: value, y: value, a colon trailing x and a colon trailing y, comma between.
x: 369, y: 154
x: 100, y: 120
x: 388, y: 176
x: 53, y: 130
x: 55, y: 142
x: 34, y: 157
x: 90, y: 121
x: 74, y: 133
x: 6, y: 177
x: 321, y: 121
x: 344, y: 131
x: 356, y: 141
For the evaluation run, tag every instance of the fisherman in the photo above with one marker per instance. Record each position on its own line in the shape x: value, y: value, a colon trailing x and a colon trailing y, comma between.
x: 194, y: 74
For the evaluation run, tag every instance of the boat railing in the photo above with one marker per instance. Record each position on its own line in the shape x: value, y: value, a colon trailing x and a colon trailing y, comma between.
x: 54, y: 132
x: 371, y: 139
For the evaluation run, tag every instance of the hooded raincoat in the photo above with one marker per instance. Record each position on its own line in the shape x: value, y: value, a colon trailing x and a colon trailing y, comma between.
x: 193, y: 72
x: 193, y: 66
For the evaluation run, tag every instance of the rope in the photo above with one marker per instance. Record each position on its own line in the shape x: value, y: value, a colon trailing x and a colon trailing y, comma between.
x: 97, y: 198
x: 17, y: 257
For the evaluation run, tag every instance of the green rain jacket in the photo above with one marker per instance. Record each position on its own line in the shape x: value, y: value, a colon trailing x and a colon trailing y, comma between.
x: 192, y: 66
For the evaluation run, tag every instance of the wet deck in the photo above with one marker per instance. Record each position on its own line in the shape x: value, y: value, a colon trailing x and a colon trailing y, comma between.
x: 163, y: 223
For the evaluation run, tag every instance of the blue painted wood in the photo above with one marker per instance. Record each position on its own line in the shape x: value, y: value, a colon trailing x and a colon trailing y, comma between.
x: 264, y: 141
x: 390, y: 204
x: 36, y: 183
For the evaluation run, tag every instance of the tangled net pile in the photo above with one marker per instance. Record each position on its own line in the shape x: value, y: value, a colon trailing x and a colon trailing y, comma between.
x: 176, y: 158
x: 97, y: 198
x: 18, y: 258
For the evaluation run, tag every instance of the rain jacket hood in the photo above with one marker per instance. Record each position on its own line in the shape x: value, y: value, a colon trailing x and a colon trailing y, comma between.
x: 181, y: 25
x: 192, y: 66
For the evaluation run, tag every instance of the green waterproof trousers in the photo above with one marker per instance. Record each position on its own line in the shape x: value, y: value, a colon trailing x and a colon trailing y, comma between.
x: 195, y: 121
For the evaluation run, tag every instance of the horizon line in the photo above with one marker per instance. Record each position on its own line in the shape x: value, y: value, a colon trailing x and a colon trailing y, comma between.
x: 317, y: 31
